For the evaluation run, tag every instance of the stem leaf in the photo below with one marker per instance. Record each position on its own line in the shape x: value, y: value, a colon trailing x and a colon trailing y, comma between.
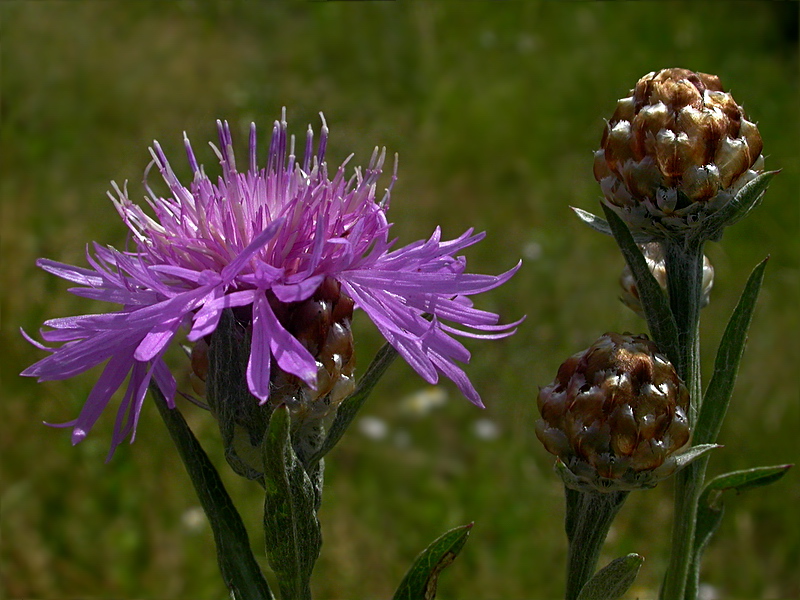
x: 654, y: 302
x: 712, y: 226
x: 746, y: 479
x: 352, y: 404
x: 242, y: 418
x: 711, y: 508
x: 726, y: 365
x: 291, y: 527
x: 421, y: 579
x: 613, y: 580
x: 602, y: 226
x: 239, y: 568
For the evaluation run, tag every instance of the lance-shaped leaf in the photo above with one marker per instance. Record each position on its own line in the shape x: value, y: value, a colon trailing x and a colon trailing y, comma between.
x: 710, y: 508
x: 352, y: 404
x: 242, y: 419
x: 712, y: 225
x: 422, y: 578
x: 602, y: 226
x: 291, y: 527
x: 654, y: 301
x: 726, y: 365
x: 239, y: 568
x: 613, y: 580
x: 746, y: 479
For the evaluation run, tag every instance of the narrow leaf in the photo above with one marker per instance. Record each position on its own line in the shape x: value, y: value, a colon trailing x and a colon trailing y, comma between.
x: 291, y: 527
x: 602, y: 226
x: 747, y: 479
x: 352, y: 404
x: 654, y: 301
x: 710, y: 507
x: 423, y: 576
x: 692, y: 454
x: 239, y: 568
x: 242, y: 419
x: 712, y: 226
x: 726, y: 365
x: 613, y: 580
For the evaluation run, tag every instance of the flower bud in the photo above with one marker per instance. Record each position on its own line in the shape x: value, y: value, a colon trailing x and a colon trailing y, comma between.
x: 677, y: 148
x: 654, y: 256
x: 615, y: 415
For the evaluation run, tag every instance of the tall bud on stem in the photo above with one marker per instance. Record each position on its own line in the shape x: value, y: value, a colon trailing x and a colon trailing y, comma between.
x: 615, y: 417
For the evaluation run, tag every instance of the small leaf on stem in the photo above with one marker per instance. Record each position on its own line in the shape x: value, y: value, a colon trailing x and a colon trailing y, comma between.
x: 712, y: 226
x: 654, y: 302
x: 726, y: 366
x: 291, y: 527
x: 613, y: 580
x: 352, y: 404
x: 602, y: 226
x: 423, y: 576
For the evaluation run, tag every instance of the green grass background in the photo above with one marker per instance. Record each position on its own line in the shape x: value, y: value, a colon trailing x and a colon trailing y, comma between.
x: 494, y: 110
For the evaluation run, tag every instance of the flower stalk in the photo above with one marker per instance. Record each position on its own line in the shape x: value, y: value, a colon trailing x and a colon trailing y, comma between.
x: 589, y: 515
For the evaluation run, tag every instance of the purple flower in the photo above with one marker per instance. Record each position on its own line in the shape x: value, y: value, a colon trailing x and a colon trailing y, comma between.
x: 252, y: 239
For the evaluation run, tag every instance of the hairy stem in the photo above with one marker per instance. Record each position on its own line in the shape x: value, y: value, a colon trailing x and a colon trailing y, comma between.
x: 588, y: 518
x: 684, y: 263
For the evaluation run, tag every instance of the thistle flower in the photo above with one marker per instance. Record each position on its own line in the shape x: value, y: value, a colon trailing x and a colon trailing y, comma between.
x: 676, y: 149
x: 615, y: 415
x: 654, y: 255
x: 292, y: 251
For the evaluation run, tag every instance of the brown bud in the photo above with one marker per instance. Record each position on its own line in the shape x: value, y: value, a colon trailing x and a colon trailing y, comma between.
x: 677, y: 147
x: 322, y: 325
x: 654, y: 256
x: 615, y: 413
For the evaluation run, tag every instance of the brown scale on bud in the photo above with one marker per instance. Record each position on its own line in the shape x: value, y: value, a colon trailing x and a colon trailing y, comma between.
x: 322, y: 325
x: 615, y: 414
x: 677, y: 147
x: 654, y: 256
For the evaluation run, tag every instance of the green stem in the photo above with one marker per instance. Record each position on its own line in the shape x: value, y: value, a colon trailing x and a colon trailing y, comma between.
x: 588, y: 518
x: 684, y: 264
x: 238, y: 566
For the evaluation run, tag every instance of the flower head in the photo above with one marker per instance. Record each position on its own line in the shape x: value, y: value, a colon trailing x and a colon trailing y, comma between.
x: 278, y: 244
x: 677, y: 148
x: 615, y: 414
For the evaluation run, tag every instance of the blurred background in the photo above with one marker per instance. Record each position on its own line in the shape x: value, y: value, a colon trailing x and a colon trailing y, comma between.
x: 495, y: 110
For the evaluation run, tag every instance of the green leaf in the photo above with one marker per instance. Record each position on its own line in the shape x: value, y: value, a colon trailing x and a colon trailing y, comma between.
x: 421, y: 579
x: 747, y: 479
x: 241, y: 417
x: 712, y: 226
x: 239, y: 568
x: 726, y: 365
x: 654, y: 301
x: 710, y: 508
x: 291, y: 527
x: 613, y: 580
x: 352, y: 404
x: 602, y: 226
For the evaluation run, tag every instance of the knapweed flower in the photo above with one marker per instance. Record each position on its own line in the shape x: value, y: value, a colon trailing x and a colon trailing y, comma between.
x: 276, y: 244
x: 615, y: 415
x: 677, y: 148
x: 653, y: 254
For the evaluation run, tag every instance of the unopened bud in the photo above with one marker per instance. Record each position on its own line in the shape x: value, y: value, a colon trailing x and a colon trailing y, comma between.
x: 615, y: 415
x: 654, y: 256
x: 677, y: 148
